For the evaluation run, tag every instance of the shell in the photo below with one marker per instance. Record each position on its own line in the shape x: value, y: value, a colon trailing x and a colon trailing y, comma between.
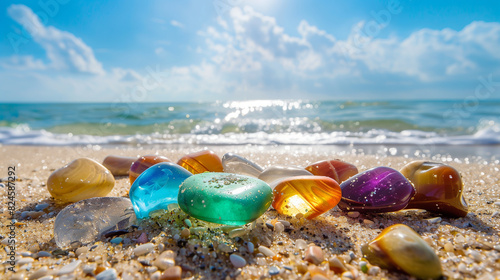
x: 119, y: 166
x: 143, y: 163
x: 398, y: 247
x: 201, y: 161
x: 336, y: 169
x: 81, y: 179
x: 439, y: 188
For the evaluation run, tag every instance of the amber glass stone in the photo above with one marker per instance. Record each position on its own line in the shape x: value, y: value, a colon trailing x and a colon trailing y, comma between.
x: 309, y: 195
x: 336, y: 169
x: 143, y: 163
x: 438, y: 186
x: 202, y: 161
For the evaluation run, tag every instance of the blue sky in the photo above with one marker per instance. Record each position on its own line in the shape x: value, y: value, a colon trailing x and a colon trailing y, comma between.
x: 194, y: 50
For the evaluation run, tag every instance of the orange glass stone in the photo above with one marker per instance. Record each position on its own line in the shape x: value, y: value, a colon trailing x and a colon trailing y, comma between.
x: 336, y: 169
x: 309, y: 195
x: 438, y: 188
x: 200, y: 162
x: 144, y: 163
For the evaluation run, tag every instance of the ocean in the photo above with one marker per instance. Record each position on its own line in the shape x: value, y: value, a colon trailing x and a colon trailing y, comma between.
x: 466, y: 127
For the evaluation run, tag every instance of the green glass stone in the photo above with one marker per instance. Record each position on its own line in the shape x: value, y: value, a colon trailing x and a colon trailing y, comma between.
x: 224, y: 198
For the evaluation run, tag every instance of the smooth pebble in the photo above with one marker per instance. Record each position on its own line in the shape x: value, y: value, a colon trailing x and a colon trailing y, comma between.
x: 237, y: 260
x: 108, y: 274
x: 273, y: 270
x: 69, y: 268
x: 314, y: 254
x: 266, y: 251
x: 144, y: 249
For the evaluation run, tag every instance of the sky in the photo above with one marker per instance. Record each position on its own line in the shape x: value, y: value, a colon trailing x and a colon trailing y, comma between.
x: 203, y: 50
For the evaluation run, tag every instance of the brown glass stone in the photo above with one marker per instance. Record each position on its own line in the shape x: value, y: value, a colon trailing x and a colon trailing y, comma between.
x: 202, y: 161
x: 438, y: 186
x: 143, y: 163
x: 336, y: 169
x: 118, y: 165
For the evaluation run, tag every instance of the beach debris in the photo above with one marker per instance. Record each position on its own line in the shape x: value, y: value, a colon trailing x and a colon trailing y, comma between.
x: 275, y: 173
x: 378, y: 190
x: 86, y: 220
x: 118, y: 165
x: 308, y: 195
x: 143, y: 163
x: 156, y: 188
x: 399, y: 247
x: 81, y: 179
x: 224, y: 198
x: 336, y: 169
x: 438, y: 186
x: 201, y: 161
x: 236, y: 164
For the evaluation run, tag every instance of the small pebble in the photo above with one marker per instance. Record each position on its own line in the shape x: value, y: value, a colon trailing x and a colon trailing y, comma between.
x: 42, y: 271
x: 237, y: 232
x: 448, y: 247
x: 40, y: 207
x: 81, y: 250
x: 250, y: 247
x: 435, y: 220
x: 165, y: 260
x: 353, y: 214
x: 497, y: 204
x: 368, y: 222
x: 172, y: 273
x: 497, y: 247
x: 43, y: 254
x: 266, y: 251
x: 185, y: 233
x: 237, y: 260
x: 495, y: 214
x: 374, y: 270
x: 336, y: 265
x: 269, y: 226
x: 347, y: 275
x: 279, y: 227
x: 69, y: 268
x: 363, y: 266
x: 143, y: 249
x: 89, y: 268
x: 273, y: 270
x: 285, y: 223
x: 300, y: 244
x: 108, y: 274
x: 188, y: 223
x: 314, y: 255
x: 116, y: 240
x: 24, y: 261
x: 143, y: 238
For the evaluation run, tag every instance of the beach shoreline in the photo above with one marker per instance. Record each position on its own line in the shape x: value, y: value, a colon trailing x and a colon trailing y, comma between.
x: 344, y: 234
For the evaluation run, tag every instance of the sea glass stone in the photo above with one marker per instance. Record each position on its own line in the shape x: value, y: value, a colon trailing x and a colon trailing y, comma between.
x: 233, y: 163
x: 157, y: 187
x: 144, y: 163
x: 399, y: 247
x: 336, y: 169
x: 438, y: 186
x: 309, y: 195
x: 118, y: 165
x: 86, y: 220
x: 274, y: 173
x: 378, y: 190
x: 202, y: 161
x: 81, y: 179
x: 224, y: 198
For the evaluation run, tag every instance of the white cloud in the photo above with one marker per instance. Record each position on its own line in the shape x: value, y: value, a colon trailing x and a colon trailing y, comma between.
x: 64, y: 50
x: 176, y: 24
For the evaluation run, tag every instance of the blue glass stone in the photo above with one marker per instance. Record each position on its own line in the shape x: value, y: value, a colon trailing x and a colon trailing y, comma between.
x: 157, y: 187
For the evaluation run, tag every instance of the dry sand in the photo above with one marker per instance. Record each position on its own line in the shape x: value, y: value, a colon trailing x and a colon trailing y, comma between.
x: 468, y: 247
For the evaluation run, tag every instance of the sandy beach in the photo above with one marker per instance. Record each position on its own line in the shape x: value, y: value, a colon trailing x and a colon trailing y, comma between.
x: 468, y: 248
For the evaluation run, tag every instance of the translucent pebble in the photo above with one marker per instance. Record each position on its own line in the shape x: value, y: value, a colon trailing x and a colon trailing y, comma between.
x: 307, y: 195
x: 203, y: 161
x: 156, y: 188
x: 233, y: 163
x: 118, y: 165
x: 224, y: 198
x: 142, y: 164
x: 314, y: 255
x: 86, y: 220
x: 165, y: 260
x: 81, y: 179
x: 438, y: 186
x: 279, y: 227
x: 300, y: 244
x: 336, y: 169
x: 237, y: 260
x: 144, y: 249
x: 399, y: 247
x: 380, y: 189
x: 275, y: 173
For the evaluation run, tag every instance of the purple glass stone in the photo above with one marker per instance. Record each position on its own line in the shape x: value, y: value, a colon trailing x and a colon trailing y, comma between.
x: 378, y: 190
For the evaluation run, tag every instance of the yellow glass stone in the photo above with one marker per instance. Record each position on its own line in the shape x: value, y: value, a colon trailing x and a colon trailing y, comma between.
x: 203, y: 161
x: 81, y: 179
x: 309, y: 195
